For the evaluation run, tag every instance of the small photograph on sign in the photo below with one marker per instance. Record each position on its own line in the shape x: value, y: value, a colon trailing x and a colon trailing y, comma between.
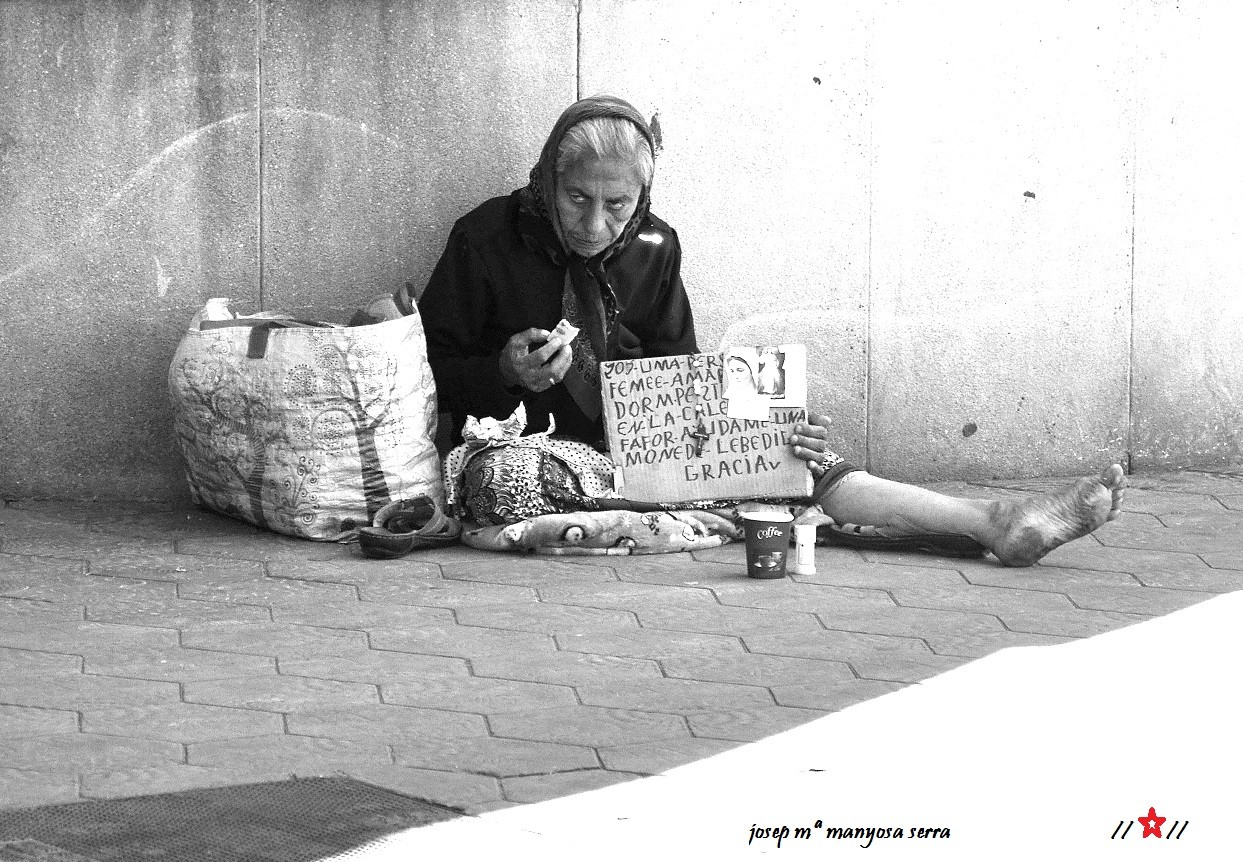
x: 770, y: 376
x: 740, y: 372
x: 764, y: 376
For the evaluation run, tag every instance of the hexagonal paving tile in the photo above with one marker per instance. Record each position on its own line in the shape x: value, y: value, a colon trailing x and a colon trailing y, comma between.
x: 361, y: 615
x: 879, y: 576
x: 41, y: 517
x: 592, y: 726
x: 461, y: 641
x: 1185, y: 482
x: 832, y: 696
x: 650, y: 758
x: 29, y: 788
x: 14, y: 611
x: 477, y: 694
x: 21, y: 722
x: 546, y: 618
x: 462, y: 790
x: 500, y: 757
x: 982, y: 599
x: 1161, y: 503
x: 537, y: 788
x: 1231, y: 559
x: 1134, y: 600
x: 1092, y: 556
x: 273, y: 639
x: 375, y: 666
x: 749, y: 725
x: 1217, y: 523
x: 726, y: 619
x: 169, y: 778
x: 291, y: 755
x: 438, y: 593
x: 86, y: 751
x: 19, y: 569
x: 82, y: 691
x: 180, y: 722
x: 870, y: 656
x: 793, y: 596
x: 1198, y: 539
x: 176, y: 567
x: 172, y: 613
x: 385, y: 723
x: 280, y: 693
x: 566, y: 668
x: 648, y: 643
x: 176, y: 663
x: 688, y: 570
x: 528, y: 572
x: 274, y: 592
x: 354, y: 570
x: 980, y: 644
x: 32, y: 666
x: 756, y: 669
x: 82, y: 589
x: 934, y: 625
x: 1079, y: 624
x: 672, y: 695
x: 626, y: 596
x: 83, y: 638
x: 83, y: 544
x: 254, y: 544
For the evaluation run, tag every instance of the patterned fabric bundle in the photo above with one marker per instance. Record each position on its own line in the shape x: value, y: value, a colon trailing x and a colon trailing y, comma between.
x: 497, y: 477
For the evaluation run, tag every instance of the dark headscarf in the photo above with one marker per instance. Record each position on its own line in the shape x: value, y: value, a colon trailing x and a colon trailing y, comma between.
x: 587, y: 299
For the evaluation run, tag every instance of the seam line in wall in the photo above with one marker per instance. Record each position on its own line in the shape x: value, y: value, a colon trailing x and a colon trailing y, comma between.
x: 261, y: 23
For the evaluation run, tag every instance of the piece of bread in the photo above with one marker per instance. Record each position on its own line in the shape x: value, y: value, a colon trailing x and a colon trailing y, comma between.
x: 562, y: 334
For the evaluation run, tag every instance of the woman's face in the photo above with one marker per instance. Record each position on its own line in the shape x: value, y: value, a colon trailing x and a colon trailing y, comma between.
x: 595, y: 200
x: 739, y: 373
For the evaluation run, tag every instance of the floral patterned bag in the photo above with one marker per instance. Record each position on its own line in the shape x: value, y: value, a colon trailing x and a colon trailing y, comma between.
x: 305, y: 429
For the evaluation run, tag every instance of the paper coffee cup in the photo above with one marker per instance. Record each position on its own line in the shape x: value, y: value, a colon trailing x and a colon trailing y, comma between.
x: 767, y: 536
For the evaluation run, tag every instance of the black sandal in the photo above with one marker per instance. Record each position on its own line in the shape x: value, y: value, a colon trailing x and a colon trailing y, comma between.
x: 405, y: 526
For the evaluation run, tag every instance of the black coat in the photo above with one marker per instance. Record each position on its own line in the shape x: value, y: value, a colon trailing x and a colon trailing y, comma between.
x: 489, y: 284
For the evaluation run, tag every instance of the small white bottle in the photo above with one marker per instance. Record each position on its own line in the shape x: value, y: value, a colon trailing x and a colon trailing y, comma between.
x: 804, y: 549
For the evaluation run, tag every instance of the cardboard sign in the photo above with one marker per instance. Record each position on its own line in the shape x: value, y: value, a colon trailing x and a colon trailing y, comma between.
x: 675, y: 434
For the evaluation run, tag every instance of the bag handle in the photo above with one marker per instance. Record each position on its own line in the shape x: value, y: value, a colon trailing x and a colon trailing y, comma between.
x: 257, y: 346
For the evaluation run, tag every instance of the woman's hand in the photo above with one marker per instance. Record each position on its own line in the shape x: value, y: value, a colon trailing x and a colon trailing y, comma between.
x: 809, y: 440
x: 530, y: 362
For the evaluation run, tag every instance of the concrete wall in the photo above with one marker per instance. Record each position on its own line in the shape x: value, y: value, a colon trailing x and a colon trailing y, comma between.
x: 1008, y: 232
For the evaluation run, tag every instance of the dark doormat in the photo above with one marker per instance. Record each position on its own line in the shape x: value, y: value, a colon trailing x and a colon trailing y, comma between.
x: 300, y: 820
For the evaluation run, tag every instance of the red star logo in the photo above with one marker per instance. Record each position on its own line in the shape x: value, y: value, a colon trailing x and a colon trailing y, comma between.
x: 1152, y: 823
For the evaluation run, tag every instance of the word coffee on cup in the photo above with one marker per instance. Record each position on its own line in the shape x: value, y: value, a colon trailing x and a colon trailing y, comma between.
x: 767, y: 536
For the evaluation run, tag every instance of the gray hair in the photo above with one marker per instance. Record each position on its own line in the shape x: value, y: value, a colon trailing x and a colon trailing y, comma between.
x: 607, y: 138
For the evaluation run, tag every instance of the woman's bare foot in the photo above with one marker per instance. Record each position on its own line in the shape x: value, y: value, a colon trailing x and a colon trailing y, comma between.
x: 1029, y: 529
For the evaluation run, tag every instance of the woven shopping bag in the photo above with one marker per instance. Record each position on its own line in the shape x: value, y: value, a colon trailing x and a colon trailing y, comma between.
x: 305, y: 429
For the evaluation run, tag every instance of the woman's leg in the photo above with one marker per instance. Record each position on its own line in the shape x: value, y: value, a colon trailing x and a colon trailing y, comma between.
x: 1017, y: 532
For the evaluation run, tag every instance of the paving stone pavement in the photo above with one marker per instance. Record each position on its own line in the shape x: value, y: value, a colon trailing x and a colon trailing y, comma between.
x: 145, y: 650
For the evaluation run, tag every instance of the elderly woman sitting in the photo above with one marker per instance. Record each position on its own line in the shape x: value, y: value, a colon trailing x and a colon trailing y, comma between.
x: 579, y: 243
